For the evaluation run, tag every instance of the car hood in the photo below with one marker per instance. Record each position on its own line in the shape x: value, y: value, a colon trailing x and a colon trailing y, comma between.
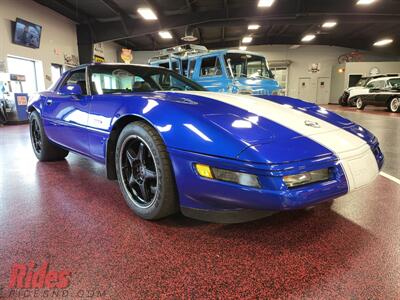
x: 236, y: 124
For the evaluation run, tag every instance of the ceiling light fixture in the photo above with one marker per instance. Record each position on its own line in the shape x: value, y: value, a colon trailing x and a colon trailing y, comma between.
x: 265, y: 3
x: 365, y: 2
x: 329, y: 24
x: 247, y: 40
x: 147, y: 13
x: 165, y: 35
x: 253, y: 27
x: 383, y: 42
x: 308, y: 38
x: 243, y: 48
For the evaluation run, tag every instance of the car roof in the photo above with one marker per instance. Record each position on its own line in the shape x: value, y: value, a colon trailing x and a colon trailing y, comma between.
x: 385, y: 78
x: 112, y: 64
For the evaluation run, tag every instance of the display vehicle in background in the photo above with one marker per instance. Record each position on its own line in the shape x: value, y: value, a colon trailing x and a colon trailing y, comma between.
x: 214, y: 156
x: 382, y: 92
x: 350, y: 95
x: 226, y: 71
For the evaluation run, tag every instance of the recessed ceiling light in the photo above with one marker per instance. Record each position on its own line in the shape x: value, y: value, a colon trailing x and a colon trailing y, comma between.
x: 247, y: 40
x: 329, y: 24
x: 253, y: 27
x: 265, y: 3
x: 365, y: 2
x: 147, y: 13
x: 308, y: 38
x: 243, y: 48
x: 165, y: 35
x: 383, y: 42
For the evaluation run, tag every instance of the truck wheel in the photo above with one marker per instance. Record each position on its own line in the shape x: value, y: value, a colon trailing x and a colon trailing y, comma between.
x: 360, y: 104
x: 43, y: 148
x: 394, y: 105
x: 145, y: 173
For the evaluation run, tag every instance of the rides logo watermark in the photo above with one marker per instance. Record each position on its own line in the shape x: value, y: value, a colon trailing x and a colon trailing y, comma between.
x: 39, y: 281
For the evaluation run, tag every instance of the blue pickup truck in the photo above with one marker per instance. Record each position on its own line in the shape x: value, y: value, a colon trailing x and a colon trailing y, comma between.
x: 226, y: 71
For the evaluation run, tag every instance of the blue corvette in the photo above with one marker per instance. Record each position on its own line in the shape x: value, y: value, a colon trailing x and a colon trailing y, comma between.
x: 219, y: 157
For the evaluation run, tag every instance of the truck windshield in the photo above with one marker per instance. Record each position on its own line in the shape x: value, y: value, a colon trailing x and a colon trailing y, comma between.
x: 246, y: 65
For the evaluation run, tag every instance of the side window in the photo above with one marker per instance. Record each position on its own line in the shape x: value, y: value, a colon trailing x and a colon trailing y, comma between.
x: 211, y: 66
x: 192, y: 65
x: 165, y: 65
x: 185, y: 67
x: 175, y: 66
x: 380, y: 84
x: 370, y: 85
x: 77, y: 77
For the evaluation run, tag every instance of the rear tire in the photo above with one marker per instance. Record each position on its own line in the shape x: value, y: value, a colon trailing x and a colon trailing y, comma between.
x: 360, y: 104
x: 144, y: 172
x: 43, y: 148
x: 394, y: 105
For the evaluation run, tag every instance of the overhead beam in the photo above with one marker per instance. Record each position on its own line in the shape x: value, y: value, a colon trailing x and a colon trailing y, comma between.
x: 114, y: 7
x: 105, y: 31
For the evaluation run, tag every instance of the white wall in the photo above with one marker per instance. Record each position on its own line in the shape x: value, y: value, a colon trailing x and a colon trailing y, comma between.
x: 111, y: 52
x: 58, y: 35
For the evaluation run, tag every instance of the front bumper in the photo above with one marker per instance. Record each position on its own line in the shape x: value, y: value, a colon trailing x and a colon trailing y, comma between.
x: 200, y: 193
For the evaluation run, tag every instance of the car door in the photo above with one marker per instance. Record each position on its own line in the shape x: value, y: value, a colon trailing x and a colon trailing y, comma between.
x: 377, y: 92
x: 211, y: 75
x: 384, y: 94
x: 66, y: 116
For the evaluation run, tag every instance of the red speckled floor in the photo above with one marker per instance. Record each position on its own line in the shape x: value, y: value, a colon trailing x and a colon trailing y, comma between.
x: 68, y: 214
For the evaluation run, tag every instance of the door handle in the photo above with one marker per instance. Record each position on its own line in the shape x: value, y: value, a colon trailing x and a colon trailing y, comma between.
x: 49, y: 102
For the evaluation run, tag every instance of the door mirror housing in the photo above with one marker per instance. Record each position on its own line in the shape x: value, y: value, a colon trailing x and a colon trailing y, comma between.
x: 72, y: 89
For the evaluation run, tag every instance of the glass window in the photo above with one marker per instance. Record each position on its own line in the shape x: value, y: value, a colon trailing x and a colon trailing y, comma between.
x: 394, y: 83
x: 120, y: 79
x: 246, y: 65
x: 192, y: 65
x: 211, y: 66
x: 77, y: 77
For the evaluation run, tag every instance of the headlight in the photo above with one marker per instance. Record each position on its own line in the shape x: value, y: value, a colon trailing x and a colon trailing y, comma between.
x: 306, y: 178
x: 227, y: 175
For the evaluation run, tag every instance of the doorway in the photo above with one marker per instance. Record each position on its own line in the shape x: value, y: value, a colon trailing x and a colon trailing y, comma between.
x: 56, y: 72
x: 26, y: 67
x: 353, y: 79
x: 281, y: 76
x: 323, y: 90
x: 305, y: 91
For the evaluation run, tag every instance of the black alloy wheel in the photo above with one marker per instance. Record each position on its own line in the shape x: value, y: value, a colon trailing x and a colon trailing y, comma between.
x: 144, y: 170
x: 139, y: 171
x: 36, y: 136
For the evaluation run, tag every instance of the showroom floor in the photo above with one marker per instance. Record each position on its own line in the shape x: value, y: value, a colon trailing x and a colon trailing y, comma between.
x: 68, y: 214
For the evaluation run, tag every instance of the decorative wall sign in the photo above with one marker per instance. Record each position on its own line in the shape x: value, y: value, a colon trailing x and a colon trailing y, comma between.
x: 314, y: 68
x: 126, y: 55
x: 98, y: 53
x: 374, y: 71
x: 71, y: 60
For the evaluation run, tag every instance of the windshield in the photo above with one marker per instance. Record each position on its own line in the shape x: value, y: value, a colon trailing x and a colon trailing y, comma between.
x: 394, y: 83
x: 121, y: 79
x: 362, y: 82
x: 246, y: 65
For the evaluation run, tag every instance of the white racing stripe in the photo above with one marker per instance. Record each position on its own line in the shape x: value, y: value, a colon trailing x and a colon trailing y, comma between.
x: 355, y: 155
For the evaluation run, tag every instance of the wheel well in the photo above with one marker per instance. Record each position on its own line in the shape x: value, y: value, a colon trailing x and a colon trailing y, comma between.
x: 112, y: 143
x: 390, y: 99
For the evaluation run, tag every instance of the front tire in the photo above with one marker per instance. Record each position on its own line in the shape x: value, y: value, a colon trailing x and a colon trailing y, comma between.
x: 145, y: 173
x: 394, y: 105
x: 43, y: 148
x: 360, y: 104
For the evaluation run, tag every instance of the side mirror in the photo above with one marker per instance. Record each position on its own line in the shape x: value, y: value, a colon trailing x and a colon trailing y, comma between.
x: 72, y: 89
